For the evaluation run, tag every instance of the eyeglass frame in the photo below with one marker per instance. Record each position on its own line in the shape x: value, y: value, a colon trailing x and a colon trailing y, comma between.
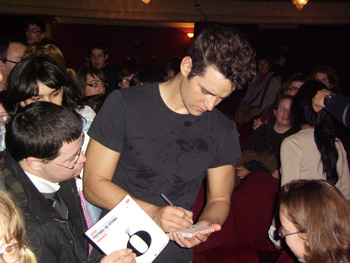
x: 4, y: 247
x: 7, y: 60
x: 283, y: 109
x: 34, y: 30
x: 285, y: 235
x: 78, y: 153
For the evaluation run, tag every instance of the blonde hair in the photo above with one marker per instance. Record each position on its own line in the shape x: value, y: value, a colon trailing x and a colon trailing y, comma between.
x: 319, y: 210
x: 12, y: 225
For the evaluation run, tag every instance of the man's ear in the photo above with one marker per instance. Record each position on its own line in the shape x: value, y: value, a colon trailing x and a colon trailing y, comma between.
x: 42, y: 36
x: 186, y: 66
x: 34, y: 163
x: 107, y: 56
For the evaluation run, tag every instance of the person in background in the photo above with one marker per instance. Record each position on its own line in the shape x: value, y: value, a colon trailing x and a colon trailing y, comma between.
x: 11, y: 53
x: 328, y: 76
x: 314, y: 152
x: 183, y: 138
x: 266, y: 142
x: 315, y: 220
x: 292, y: 85
x: 42, y: 160
x: 13, y: 242
x: 35, y: 33
x: 92, y: 81
x: 124, y: 78
x: 146, y: 76
x: 99, y: 56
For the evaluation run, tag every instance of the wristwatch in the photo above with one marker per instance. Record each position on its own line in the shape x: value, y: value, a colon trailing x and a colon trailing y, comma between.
x: 327, y: 98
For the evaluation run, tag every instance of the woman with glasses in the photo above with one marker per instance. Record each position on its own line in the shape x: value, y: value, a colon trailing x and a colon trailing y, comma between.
x: 315, y: 220
x: 314, y: 152
x: 261, y: 153
x: 13, y: 243
x: 92, y: 81
x: 292, y: 85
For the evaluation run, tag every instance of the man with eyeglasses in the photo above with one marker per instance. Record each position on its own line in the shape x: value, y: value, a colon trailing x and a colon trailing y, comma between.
x: 42, y: 160
x: 11, y: 52
x: 35, y: 31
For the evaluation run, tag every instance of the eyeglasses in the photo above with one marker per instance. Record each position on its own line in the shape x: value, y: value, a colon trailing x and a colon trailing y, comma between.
x: 97, y: 56
x: 283, y: 109
x: 282, y: 233
x: 295, y: 89
x: 6, y: 60
x: 76, y: 156
x: 126, y: 80
x: 12, y: 253
x: 5, y: 118
x: 34, y: 30
x: 98, y: 84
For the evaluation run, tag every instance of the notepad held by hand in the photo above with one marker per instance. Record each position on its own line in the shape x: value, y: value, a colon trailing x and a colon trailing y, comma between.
x: 195, y: 230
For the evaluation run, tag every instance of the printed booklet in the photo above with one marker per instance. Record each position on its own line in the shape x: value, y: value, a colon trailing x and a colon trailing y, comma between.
x: 128, y: 226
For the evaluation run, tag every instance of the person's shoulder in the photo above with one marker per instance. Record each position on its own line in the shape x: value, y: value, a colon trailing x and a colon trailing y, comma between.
x: 221, y: 119
x: 87, y: 112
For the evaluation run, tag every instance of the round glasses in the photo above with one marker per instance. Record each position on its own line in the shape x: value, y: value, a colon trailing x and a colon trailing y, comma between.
x: 76, y: 156
x: 12, y: 253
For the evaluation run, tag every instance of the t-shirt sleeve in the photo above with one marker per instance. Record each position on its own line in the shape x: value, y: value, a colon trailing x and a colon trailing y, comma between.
x: 229, y: 152
x: 109, y: 125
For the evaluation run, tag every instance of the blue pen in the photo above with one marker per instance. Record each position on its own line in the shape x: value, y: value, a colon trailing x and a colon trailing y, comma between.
x: 166, y: 199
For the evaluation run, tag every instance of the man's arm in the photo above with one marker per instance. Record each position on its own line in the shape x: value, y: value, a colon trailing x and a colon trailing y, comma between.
x: 100, y: 190
x: 220, y: 185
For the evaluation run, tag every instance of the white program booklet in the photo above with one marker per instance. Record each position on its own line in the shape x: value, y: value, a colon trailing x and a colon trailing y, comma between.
x: 128, y: 226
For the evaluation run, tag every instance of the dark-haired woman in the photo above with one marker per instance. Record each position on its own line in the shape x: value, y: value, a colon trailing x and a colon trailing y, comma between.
x: 92, y: 81
x: 314, y: 152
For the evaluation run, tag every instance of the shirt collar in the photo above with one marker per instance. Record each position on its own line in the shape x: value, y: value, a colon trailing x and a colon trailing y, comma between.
x: 43, y: 186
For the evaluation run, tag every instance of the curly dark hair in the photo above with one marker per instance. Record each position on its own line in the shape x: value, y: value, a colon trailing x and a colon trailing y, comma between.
x: 227, y: 50
x: 302, y: 112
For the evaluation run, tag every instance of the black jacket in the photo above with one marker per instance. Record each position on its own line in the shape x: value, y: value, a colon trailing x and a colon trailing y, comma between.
x: 52, y: 238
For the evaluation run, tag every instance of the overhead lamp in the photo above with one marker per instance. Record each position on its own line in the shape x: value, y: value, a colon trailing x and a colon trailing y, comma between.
x: 190, y: 35
x: 300, y: 3
x: 146, y: 1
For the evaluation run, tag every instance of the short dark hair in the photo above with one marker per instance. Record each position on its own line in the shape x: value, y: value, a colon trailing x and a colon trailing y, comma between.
x: 227, y: 50
x: 5, y: 43
x: 24, y: 78
x: 82, y: 76
x: 125, y: 72
x: 146, y: 76
x: 99, y: 45
x: 40, y: 129
x: 38, y: 23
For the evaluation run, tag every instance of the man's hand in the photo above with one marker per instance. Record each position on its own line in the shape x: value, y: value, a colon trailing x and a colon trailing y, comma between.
x: 120, y: 256
x: 192, y: 242
x: 318, y: 100
x: 171, y: 218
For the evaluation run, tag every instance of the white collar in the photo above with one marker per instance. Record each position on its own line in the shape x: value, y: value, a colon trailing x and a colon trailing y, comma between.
x: 43, y: 186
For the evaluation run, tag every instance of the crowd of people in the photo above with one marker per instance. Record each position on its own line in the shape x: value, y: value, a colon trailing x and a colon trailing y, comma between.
x: 75, y: 143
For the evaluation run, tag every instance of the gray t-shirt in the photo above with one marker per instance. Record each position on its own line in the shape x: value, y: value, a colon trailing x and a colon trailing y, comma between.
x: 162, y: 151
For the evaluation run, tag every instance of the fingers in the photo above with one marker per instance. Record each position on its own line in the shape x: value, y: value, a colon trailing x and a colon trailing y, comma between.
x: 120, y: 256
x: 175, y: 218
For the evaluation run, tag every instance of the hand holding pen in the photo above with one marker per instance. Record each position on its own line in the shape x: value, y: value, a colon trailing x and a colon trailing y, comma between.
x: 172, y: 218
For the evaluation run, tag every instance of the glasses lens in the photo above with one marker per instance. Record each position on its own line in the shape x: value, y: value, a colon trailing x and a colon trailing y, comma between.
x: 13, y: 253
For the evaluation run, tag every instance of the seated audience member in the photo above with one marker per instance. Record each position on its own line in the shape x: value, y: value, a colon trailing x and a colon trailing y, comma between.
x: 42, y: 160
x: 11, y: 53
x: 336, y: 105
x: 99, y: 56
x: 13, y: 243
x: 315, y: 220
x: 314, y: 152
x: 124, y: 78
x: 261, y: 153
x: 146, y: 76
x: 172, y: 69
x: 328, y: 76
x: 261, y: 92
x: 40, y: 78
x: 95, y: 101
x: 92, y: 81
x: 292, y: 85
x: 290, y: 88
